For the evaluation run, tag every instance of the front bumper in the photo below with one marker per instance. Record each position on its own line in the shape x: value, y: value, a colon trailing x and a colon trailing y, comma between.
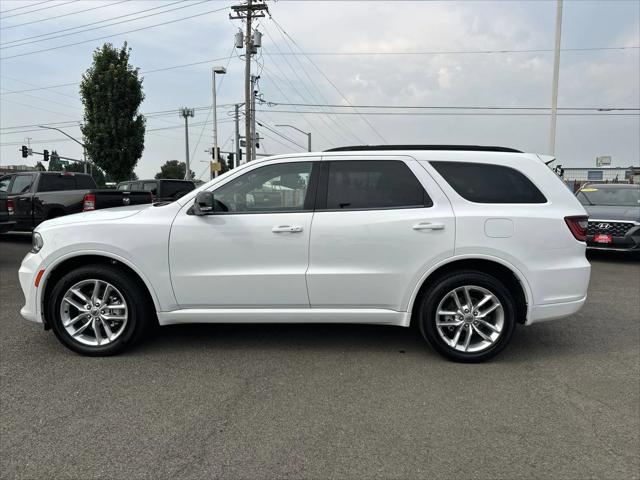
x: 27, y: 275
x: 625, y: 235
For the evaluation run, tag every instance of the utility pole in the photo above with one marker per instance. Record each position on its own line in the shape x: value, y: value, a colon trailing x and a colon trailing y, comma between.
x: 556, y: 77
x: 248, y: 11
x: 237, y: 134
x: 252, y: 137
x: 186, y: 113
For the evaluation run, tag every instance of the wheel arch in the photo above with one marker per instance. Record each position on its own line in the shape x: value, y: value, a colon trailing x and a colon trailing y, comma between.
x: 512, y: 278
x: 69, y: 262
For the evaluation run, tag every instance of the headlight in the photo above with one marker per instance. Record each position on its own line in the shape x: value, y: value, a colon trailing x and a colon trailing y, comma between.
x: 36, y: 242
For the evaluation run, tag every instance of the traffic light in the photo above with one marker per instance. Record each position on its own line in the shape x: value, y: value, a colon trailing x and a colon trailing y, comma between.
x: 213, y: 153
x: 45, y: 155
x: 239, y: 157
x: 230, y: 163
x: 25, y: 151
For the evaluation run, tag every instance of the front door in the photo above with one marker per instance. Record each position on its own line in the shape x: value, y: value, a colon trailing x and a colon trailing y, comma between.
x: 380, y: 224
x: 253, y: 251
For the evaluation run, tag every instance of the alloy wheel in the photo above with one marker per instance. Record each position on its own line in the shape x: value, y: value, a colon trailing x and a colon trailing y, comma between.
x: 470, y: 319
x: 94, y: 312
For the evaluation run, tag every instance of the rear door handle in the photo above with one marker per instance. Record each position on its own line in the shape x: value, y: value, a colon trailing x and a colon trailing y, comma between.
x: 286, y: 228
x: 428, y: 226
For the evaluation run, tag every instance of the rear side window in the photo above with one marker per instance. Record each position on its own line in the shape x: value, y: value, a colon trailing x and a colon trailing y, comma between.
x: 53, y: 183
x: 85, y: 181
x: 4, y: 183
x: 486, y: 183
x: 174, y: 189
x: 150, y: 187
x: 362, y: 184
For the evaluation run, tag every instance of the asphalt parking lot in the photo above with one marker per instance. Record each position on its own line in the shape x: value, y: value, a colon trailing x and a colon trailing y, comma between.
x: 286, y: 401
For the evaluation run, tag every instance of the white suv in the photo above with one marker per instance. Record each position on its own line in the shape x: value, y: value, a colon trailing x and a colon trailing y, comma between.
x: 463, y: 242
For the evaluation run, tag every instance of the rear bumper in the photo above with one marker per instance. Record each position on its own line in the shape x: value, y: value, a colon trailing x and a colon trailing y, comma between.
x: 553, y: 311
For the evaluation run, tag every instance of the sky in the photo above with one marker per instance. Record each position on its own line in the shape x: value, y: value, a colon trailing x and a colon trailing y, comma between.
x: 393, y: 53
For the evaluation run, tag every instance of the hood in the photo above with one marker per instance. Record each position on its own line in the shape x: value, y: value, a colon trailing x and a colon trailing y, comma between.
x: 604, y: 212
x: 106, y: 214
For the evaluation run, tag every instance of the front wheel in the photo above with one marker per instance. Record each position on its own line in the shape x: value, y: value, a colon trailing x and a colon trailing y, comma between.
x: 468, y: 316
x: 96, y: 310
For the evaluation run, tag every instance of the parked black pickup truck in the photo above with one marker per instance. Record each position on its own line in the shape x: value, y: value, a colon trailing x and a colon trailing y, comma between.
x: 33, y: 197
x: 6, y: 223
x: 162, y: 189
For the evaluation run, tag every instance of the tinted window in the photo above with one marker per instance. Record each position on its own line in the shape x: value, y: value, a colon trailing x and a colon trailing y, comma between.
x: 150, y: 187
x: 358, y: 184
x: 85, y: 181
x: 485, y: 183
x: 124, y: 186
x: 21, y: 184
x: 610, y: 196
x: 52, y: 183
x: 273, y: 188
x: 174, y: 189
x: 4, y: 184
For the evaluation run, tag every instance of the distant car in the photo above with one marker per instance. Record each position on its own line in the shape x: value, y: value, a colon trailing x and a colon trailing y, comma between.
x: 33, y: 197
x: 6, y: 223
x: 163, y: 190
x: 614, y: 216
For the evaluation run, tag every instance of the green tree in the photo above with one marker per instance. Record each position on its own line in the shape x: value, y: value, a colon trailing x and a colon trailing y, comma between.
x: 113, y: 129
x: 173, y: 169
x: 54, y: 162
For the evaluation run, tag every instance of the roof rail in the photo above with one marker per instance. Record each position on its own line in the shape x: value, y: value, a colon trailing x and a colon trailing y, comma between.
x: 470, y: 148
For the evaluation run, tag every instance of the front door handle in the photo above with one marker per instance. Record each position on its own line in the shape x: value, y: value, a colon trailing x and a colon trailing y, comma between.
x: 428, y: 226
x: 286, y: 228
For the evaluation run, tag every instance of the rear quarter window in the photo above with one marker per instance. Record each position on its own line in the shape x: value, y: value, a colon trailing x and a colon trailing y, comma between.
x: 56, y: 183
x: 488, y: 183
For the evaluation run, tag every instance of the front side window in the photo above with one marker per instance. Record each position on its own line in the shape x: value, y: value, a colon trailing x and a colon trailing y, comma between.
x: 488, y: 183
x: 282, y: 187
x: 150, y: 187
x: 373, y: 184
x: 21, y: 184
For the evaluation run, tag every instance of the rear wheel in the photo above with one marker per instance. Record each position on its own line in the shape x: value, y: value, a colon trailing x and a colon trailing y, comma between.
x: 97, y: 310
x: 468, y: 316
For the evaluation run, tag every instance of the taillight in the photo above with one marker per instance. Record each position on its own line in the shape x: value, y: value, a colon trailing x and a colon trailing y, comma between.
x: 89, y: 202
x: 10, y: 206
x: 578, y: 226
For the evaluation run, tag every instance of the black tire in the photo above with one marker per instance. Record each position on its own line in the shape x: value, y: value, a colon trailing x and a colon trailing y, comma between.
x: 441, y: 288
x: 139, y: 310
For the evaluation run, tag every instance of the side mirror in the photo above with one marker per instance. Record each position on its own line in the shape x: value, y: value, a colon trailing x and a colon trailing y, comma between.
x: 203, y: 204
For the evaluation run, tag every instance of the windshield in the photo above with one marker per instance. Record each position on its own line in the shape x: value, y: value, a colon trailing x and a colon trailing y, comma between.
x: 610, y: 196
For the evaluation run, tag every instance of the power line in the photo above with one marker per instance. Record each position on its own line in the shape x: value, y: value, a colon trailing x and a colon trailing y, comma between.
x: 114, y: 34
x: 38, y: 9
x: 335, y: 105
x: 340, y: 127
x: 327, y: 78
x: 57, y: 16
x: 106, y: 25
x: 504, y: 114
x: 451, y: 52
x: 24, y: 6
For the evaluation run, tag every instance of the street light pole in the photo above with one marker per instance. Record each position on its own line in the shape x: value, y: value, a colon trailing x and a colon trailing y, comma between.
x: 308, y: 134
x: 186, y: 113
x: 84, y: 149
x: 556, y: 76
x: 220, y: 71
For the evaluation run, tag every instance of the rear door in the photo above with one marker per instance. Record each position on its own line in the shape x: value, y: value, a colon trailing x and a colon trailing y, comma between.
x: 20, y: 191
x: 380, y: 223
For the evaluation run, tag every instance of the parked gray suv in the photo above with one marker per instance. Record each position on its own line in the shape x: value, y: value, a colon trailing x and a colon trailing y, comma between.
x: 614, y: 216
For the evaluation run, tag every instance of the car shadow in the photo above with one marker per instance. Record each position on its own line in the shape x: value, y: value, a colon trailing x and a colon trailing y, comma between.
x: 613, y: 256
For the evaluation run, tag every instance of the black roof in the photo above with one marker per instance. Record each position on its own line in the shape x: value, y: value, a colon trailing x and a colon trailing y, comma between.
x: 469, y: 148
